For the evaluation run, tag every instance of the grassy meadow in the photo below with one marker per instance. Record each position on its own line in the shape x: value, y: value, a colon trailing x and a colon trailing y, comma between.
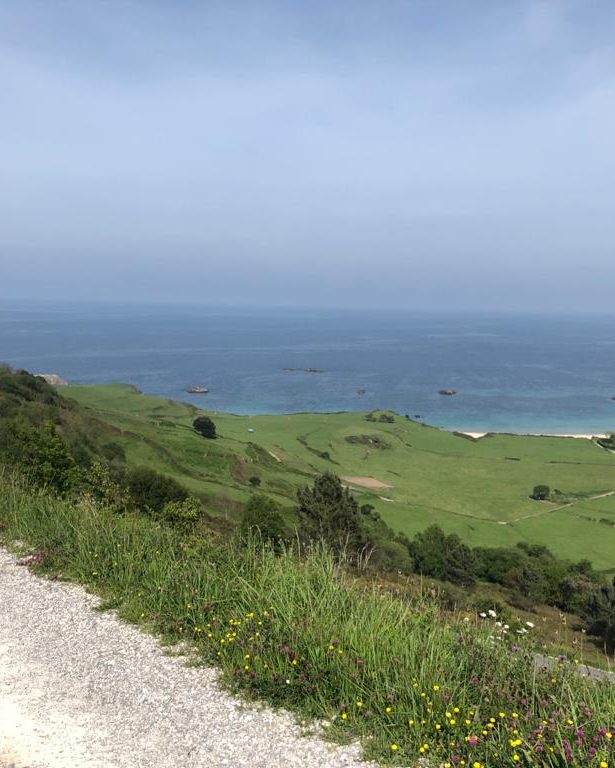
x: 478, y: 489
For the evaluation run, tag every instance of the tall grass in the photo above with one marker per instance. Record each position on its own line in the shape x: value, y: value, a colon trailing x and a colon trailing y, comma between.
x: 299, y: 633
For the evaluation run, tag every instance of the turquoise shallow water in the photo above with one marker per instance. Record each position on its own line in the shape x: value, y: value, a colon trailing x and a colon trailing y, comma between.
x: 512, y: 373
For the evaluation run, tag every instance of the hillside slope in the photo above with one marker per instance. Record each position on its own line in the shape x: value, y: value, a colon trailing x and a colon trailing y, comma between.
x: 479, y: 489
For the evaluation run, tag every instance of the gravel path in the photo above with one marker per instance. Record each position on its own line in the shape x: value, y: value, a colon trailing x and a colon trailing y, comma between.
x: 80, y: 689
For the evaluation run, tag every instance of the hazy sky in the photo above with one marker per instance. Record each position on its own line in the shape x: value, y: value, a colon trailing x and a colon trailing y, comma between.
x: 402, y: 153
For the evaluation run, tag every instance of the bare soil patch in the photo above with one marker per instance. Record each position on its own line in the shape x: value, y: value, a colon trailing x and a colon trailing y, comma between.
x: 366, y: 482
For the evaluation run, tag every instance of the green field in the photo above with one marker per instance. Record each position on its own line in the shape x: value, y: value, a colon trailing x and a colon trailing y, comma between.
x: 476, y: 488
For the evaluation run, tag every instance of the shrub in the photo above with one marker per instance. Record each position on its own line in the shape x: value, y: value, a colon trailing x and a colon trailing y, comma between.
x: 181, y: 514
x: 151, y: 491
x: 262, y: 515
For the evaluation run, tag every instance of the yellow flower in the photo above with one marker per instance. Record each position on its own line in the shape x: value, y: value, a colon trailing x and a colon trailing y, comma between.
x: 394, y: 747
x: 436, y: 687
x: 604, y: 764
x: 516, y: 758
x: 388, y: 709
x: 476, y: 764
x: 344, y: 716
x: 359, y: 704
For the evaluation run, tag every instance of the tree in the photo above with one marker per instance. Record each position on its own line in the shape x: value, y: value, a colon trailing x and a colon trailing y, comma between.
x: 540, y: 492
x: 443, y: 557
x: 328, y: 512
x: 205, y: 426
x: 254, y: 481
x: 262, y: 515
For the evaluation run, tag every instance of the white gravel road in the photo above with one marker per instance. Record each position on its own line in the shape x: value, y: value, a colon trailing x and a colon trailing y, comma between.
x: 80, y: 689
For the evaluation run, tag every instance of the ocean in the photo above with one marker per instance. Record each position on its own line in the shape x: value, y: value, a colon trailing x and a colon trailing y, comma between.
x: 514, y: 373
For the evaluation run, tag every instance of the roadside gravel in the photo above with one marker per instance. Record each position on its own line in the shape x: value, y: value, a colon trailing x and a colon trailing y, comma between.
x: 80, y: 689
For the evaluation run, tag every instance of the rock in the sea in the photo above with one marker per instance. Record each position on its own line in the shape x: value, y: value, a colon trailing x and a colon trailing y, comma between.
x: 447, y: 392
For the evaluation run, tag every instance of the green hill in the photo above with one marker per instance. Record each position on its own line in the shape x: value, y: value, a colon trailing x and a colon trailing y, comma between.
x: 479, y: 489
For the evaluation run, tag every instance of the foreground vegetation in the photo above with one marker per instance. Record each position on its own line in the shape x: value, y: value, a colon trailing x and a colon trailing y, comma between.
x: 299, y: 630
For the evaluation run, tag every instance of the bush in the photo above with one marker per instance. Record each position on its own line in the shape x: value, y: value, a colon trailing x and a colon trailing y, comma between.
x: 151, y: 491
x: 181, y: 514
x: 262, y: 515
x: 205, y: 427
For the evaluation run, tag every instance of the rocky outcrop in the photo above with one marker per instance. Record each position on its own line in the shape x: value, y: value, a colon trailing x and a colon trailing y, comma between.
x: 53, y: 379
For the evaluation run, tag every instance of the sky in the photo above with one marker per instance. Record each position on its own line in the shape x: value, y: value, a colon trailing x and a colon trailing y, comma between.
x: 358, y: 153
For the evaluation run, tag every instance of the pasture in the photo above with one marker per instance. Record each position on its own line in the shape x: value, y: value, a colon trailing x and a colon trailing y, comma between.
x: 419, y: 475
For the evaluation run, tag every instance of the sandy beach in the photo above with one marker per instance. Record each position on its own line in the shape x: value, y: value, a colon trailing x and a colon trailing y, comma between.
x: 583, y: 436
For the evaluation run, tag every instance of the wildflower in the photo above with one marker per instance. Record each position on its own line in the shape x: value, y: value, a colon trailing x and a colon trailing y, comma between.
x: 344, y: 716
x: 530, y: 624
x: 394, y: 747
x: 436, y: 688
x: 359, y: 704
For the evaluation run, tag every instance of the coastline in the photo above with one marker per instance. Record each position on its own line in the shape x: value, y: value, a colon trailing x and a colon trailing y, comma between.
x: 577, y: 435
x: 470, y: 433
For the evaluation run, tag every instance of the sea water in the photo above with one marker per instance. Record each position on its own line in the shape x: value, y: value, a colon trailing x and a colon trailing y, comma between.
x: 518, y: 373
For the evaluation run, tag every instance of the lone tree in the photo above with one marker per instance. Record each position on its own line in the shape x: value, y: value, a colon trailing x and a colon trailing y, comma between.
x: 205, y: 426
x: 541, y: 492
x: 328, y: 512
